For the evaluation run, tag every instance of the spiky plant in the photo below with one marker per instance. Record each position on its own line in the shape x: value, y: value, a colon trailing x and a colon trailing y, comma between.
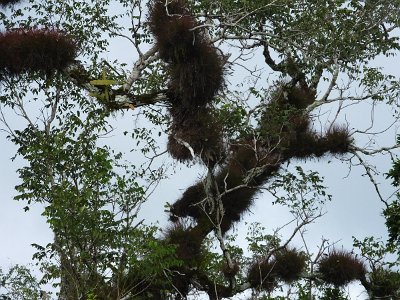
x: 340, y: 268
x: 261, y: 275
x: 195, y: 67
x: 178, y: 150
x: 290, y: 263
x: 338, y: 140
x: 198, y: 132
x: 36, y: 50
x: 300, y: 97
x: 187, y: 242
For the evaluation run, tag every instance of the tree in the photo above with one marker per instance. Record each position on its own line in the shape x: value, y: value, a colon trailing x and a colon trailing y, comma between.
x: 320, y: 52
x: 19, y: 283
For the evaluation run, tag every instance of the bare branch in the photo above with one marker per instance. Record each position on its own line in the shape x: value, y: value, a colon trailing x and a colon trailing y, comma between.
x: 368, y: 170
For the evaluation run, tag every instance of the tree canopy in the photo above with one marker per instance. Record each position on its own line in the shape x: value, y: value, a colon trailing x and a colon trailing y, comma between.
x: 302, y: 65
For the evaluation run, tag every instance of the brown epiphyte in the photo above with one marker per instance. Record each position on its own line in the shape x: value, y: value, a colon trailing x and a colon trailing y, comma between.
x: 188, y: 204
x: 197, y: 133
x: 187, y: 241
x: 194, y: 65
x: 290, y: 263
x: 236, y: 202
x: 230, y: 272
x: 261, y: 275
x: 235, y: 205
x: 178, y: 150
x: 304, y: 145
x: 170, y: 25
x: 307, y: 144
x: 36, y: 50
x: 300, y: 96
x: 338, y: 140
x: 340, y: 268
x: 299, y: 121
x: 196, y: 80
x: 196, y: 74
x: 282, y: 125
x: 181, y: 284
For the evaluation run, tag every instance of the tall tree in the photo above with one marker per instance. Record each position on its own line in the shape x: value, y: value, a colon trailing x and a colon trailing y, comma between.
x: 321, y: 53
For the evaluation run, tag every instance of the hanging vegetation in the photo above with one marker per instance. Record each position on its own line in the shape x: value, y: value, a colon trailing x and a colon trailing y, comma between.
x: 340, y: 268
x: 35, y: 50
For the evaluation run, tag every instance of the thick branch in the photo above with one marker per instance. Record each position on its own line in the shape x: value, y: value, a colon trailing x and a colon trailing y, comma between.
x: 139, y: 66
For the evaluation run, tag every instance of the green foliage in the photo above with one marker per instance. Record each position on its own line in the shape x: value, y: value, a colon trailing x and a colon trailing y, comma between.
x: 373, y: 249
x: 392, y: 210
x: 392, y: 216
x: 234, y: 120
x: 328, y: 30
x: 385, y: 283
x: 333, y: 294
x: 91, y: 198
x: 394, y: 172
x: 259, y: 243
x: 18, y: 283
x: 302, y: 191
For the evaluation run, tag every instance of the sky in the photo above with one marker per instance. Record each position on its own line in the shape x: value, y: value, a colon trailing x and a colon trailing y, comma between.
x: 355, y: 209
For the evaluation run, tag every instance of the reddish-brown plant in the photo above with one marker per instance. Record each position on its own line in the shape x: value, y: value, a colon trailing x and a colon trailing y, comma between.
x: 36, y: 50
x: 338, y: 140
x: 178, y: 150
x: 261, y: 275
x: 304, y: 144
x: 289, y: 264
x: 300, y: 97
x: 198, y: 132
x: 171, y: 26
x: 188, y: 204
x: 340, y: 268
x: 230, y: 272
x: 195, y: 67
x: 187, y: 241
x: 236, y: 201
